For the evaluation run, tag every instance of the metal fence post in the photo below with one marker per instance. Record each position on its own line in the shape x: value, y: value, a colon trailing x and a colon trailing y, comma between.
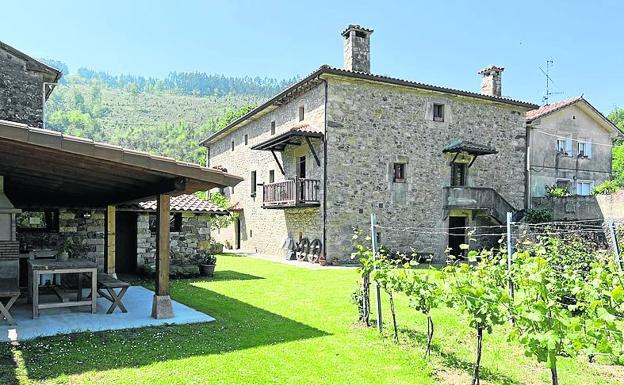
x: 377, y: 287
x: 509, y: 255
x: 616, y: 247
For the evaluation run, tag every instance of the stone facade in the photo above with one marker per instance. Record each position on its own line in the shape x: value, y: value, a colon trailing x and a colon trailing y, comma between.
x: 371, y: 126
x: 194, y: 235
x: 265, y: 230
x: 86, y: 228
x: 21, y: 88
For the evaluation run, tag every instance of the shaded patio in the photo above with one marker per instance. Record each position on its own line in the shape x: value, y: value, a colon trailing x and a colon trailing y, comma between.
x: 46, y: 169
x: 138, y: 300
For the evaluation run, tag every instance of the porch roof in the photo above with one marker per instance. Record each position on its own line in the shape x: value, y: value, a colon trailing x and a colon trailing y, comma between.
x: 471, y: 148
x: 44, y: 168
x: 297, y: 136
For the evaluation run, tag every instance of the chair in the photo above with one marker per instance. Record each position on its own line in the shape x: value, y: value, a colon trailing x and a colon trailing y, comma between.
x: 9, y: 286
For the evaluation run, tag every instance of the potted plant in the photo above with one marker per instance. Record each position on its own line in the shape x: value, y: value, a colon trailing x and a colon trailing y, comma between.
x: 207, y: 264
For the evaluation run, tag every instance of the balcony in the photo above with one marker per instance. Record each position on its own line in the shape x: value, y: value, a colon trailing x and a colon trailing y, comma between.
x: 478, y: 199
x: 297, y: 192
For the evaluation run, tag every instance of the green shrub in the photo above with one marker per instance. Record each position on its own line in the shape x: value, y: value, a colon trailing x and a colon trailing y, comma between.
x: 539, y: 215
x: 557, y: 191
x: 607, y: 187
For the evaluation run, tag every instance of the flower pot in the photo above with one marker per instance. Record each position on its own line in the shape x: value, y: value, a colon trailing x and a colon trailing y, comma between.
x: 62, y: 256
x: 207, y: 270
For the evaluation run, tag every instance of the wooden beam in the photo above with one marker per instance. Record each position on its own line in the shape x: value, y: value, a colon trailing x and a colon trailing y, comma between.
x: 161, y: 307
x: 110, y: 240
x: 278, y: 163
x: 162, y: 244
x: 318, y: 161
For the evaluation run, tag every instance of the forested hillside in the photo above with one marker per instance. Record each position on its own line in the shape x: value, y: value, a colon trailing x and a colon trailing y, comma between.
x: 162, y: 116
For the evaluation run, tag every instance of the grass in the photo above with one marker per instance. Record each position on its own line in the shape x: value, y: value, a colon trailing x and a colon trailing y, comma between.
x: 280, y: 324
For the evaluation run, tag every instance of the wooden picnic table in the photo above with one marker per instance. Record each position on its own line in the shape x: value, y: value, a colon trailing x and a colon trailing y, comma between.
x: 52, y: 266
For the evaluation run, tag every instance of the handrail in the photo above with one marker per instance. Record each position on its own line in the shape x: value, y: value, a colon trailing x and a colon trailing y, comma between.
x: 291, y: 192
x: 485, y: 198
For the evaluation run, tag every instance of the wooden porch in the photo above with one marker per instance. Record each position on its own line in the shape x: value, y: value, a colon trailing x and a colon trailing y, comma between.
x: 45, y: 169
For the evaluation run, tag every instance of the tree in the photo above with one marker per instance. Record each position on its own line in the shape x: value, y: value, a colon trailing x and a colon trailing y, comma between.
x: 365, y: 255
x: 617, y: 117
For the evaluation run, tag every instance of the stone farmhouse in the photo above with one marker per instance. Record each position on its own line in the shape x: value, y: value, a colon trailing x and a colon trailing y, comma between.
x: 341, y: 143
x: 569, y: 145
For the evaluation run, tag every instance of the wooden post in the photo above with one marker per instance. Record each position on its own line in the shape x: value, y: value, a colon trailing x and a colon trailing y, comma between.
x: 161, y: 307
x: 110, y: 240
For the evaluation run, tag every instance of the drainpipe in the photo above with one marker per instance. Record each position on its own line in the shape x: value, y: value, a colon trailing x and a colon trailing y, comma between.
x: 325, y: 174
x: 527, y: 179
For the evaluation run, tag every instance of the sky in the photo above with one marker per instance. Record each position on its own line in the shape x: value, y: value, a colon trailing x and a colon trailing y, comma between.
x: 436, y: 42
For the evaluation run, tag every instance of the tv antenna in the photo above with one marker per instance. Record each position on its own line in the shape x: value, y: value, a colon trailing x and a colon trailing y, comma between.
x: 546, y: 97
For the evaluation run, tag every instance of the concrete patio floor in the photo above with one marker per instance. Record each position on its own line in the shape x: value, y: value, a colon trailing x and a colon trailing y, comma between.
x: 138, y: 301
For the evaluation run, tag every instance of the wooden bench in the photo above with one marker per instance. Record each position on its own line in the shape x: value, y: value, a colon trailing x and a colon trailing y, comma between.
x: 9, y: 286
x: 106, y: 288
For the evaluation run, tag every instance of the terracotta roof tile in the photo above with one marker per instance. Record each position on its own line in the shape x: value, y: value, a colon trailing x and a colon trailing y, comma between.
x: 548, y: 108
x: 185, y: 202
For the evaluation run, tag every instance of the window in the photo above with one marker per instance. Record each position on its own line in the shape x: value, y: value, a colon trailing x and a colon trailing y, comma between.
x: 399, y: 173
x: 584, y: 149
x: 41, y: 221
x: 301, y: 167
x: 273, y: 127
x: 246, y: 139
x: 232, y: 190
x: 564, y: 146
x: 232, y: 145
x: 271, y: 176
x: 175, y: 222
x: 564, y: 183
x: 438, y: 112
x: 584, y: 187
x: 253, y: 184
x: 301, y: 113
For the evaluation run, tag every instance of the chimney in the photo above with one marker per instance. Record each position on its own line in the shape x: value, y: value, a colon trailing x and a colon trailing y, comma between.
x: 491, y: 80
x: 357, y: 48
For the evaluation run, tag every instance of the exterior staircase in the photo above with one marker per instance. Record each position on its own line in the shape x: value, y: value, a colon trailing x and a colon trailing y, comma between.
x: 482, y: 199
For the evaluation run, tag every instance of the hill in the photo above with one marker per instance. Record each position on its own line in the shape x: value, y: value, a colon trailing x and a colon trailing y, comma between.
x: 163, y: 117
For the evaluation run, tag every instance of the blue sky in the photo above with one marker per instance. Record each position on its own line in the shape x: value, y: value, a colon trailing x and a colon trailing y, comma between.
x: 438, y: 42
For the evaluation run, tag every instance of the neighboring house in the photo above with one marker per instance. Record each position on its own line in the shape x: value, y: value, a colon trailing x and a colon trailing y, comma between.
x: 24, y: 82
x: 340, y: 144
x: 569, y: 146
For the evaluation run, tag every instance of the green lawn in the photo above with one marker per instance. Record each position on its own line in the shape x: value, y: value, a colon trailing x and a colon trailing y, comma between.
x: 279, y: 324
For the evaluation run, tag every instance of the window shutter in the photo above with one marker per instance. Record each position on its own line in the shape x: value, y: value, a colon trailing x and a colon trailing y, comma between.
x: 588, y: 149
x: 569, y: 146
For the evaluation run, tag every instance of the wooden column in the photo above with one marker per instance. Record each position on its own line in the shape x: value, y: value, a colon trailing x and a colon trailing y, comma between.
x: 161, y: 307
x: 110, y: 240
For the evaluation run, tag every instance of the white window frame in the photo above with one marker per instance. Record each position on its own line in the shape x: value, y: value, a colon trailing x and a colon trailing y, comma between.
x: 567, y: 146
x: 581, y: 182
x: 587, y: 151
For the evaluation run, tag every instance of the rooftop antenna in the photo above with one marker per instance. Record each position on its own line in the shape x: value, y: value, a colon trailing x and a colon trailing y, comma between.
x: 546, y: 98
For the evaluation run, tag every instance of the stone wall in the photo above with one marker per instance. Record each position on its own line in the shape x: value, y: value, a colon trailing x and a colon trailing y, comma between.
x: 264, y: 230
x: 371, y: 126
x: 194, y: 235
x: 575, y: 208
x: 87, y: 233
x: 21, y: 92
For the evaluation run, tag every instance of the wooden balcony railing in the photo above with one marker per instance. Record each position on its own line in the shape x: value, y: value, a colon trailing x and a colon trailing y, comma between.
x: 297, y: 192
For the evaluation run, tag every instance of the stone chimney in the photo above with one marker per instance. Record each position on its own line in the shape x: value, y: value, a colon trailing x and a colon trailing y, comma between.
x: 491, y: 80
x: 357, y: 48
